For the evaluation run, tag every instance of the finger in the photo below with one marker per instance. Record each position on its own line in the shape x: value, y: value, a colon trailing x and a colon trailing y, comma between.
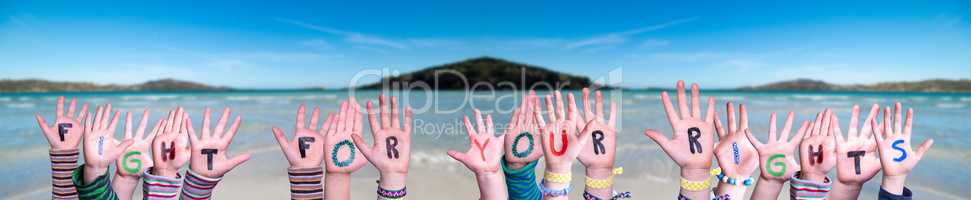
x: 341, y: 124
x: 385, y: 113
x: 233, y: 129
x: 142, y: 124
x: 359, y: 142
x: 658, y: 138
x: 107, y: 115
x: 827, y: 119
x: 743, y: 117
x: 43, y: 125
x: 669, y: 109
x: 587, y: 111
x: 772, y: 128
x: 372, y: 117
x: 301, y: 111
x: 560, y: 110
x: 88, y: 124
x: 887, y: 127
x: 540, y: 123
x: 489, y: 128
x: 223, y: 119
x: 550, y: 112
x: 155, y: 130
x: 816, y: 124
x: 180, y: 118
x: 479, y: 125
x: 683, y: 101
x: 731, y: 117
x: 835, y: 129
x: 572, y: 112
x: 194, y: 140
x: 755, y: 141
x: 800, y: 134
x: 83, y: 113
x: 787, y: 128
x: 458, y: 156
x: 514, y: 120
x: 710, y: 116
x: 328, y: 128
x: 876, y: 131
x: 281, y: 139
x: 121, y: 147
x: 468, y: 127
x: 867, y: 130
x: 599, y: 106
x: 238, y: 160
x: 719, y: 130
x: 612, y: 121
x: 408, y: 117
x: 168, y: 122
x: 357, y: 117
x: 395, y: 113
x: 128, y: 133
x: 206, y: 116
x: 897, y: 118
x: 924, y: 147
x: 908, y: 125
x: 60, y: 107
x: 852, y: 130
x: 70, y: 107
x: 695, y: 101
x: 96, y: 125
x: 314, y: 117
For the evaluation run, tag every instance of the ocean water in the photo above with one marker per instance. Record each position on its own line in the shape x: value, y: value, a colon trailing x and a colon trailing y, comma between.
x: 25, y: 167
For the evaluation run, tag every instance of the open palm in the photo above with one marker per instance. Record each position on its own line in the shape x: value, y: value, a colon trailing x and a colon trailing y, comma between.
x: 559, y: 158
x: 337, y: 133
x: 485, y: 150
x: 736, y: 155
x: 66, y: 132
x: 600, y: 152
x: 521, y: 133
x: 857, y: 145
x: 693, y: 137
x: 776, y: 158
x: 210, y: 150
x: 392, y: 138
x: 303, y: 151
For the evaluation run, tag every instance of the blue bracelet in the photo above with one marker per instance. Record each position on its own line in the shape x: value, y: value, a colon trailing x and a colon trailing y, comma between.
x: 554, y: 192
x: 732, y: 181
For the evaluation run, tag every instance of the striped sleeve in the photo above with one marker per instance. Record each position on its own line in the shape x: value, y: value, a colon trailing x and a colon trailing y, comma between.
x: 305, y: 183
x: 805, y: 189
x: 63, y: 163
x: 99, y: 189
x: 160, y: 187
x: 198, y: 187
x: 521, y: 183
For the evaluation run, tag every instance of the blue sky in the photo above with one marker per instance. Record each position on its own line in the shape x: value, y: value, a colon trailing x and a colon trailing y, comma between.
x: 318, y: 43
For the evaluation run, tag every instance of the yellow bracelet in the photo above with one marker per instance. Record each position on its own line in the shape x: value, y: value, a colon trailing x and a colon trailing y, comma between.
x: 604, y: 183
x: 554, y: 177
x: 698, y: 185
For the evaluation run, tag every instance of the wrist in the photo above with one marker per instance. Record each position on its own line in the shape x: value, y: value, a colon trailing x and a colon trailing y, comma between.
x: 171, y: 173
x: 894, y: 184
x: 695, y: 174
x: 515, y: 165
x: 559, y: 168
x: 392, y: 180
x: 814, y: 176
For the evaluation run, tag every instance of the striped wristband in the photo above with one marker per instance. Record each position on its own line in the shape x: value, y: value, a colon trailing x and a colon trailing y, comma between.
x: 305, y: 183
x: 156, y: 187
x: 198, y: 186
x: 806, y: 189
x: 63, y: 162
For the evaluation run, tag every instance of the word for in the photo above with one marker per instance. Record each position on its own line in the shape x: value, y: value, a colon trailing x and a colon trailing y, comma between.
x: 693, y: 134
x: 125, y: 160
x: 209, y: 153
x: 481, y: 146
x: 735, y: 153
x: 62, y: 129
x: 903, y: 153
x: 515, y: 143
x: 168, y: 150
x: 856, y: 159
x: 336, y: 149
x: 565, y: 145
x: 304, y: 144
x: 598, y: 145
x: 776, y: 165
x: 392, y: 146
x: 818, y: 154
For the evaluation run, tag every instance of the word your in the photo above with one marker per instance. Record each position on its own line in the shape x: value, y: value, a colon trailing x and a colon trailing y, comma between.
x: 209, y: 153
x: 304, y: 144
x: 62, y: 129
x: 856, y: 159
x: 735, y: 153
x: 815, y: 154
x: 903, y: 153
x: 598, y: 145
x: 515, y: 143
x: 777, y: 168
x: 392, y: 145
x: 336, y: 149
x: 125, y: 162
x: 481, y: 146
x: 693, y: 134
x: 168, y: 150
x: 565, y: 145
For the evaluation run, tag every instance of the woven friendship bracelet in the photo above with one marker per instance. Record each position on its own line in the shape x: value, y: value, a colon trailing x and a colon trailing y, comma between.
x: 554, y: 177
x: 604, y: 183
x: 696, y: 185
x: 616, y: 195
x: 554, y: 192
x: 392, y: 194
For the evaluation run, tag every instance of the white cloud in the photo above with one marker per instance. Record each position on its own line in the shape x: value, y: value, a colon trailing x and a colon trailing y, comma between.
x: 621, y: 37
x: 654, y: 43
x: 316, y: 43
x: 351, y: 37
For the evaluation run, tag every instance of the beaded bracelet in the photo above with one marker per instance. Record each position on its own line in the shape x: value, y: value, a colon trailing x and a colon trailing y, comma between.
x: 604, y: 183
x: 554, y: 177
x: 554, y: 192
x: 731, y: 180
x: 392, y: 194
x: 616, y: 195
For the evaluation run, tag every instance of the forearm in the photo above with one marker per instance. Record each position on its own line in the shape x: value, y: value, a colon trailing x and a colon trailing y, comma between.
x: 197, y: 186
x: 305, y: 183
x: 521, y: 181
x: 767, y: 189
x: 337, y: 186
x: 124, y: 186
x: 696, y: 175
x: 491, y: 186
x: 98, y: 188
x: 845, y: 191
x: 602, y: 178
x: 63, y: 163
x: 157, y: 187
x: 894, y: 184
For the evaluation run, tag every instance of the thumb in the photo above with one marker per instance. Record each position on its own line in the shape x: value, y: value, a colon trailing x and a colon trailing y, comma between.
x: 658, y: 138
x: 121, y: 147
x: 924, y: 147
x: 239, y: 160
x: 459, y: 156
x: 363, y: 146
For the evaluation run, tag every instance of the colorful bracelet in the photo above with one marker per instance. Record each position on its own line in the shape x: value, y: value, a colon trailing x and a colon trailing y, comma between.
x: 604, y: 183
x: 616, y: 195
x: 554, y: 177
x: 732, y: 180
x: 554, y: 192
x: 392, y: 194
x: 722, y: 197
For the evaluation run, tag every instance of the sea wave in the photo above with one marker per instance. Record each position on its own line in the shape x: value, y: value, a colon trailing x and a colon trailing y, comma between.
x: 949, y: 105
x: 20, y: 105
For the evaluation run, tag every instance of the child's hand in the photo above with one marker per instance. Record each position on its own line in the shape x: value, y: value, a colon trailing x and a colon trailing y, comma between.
x: 100, y: 145
x: 736, y: 155
x: 170, y: 149
x: 857, y: 160
x: 600, y: 153
x: 391, y: 150
x: 817, y: 152
x: 136, y: 159
x: 305, y: 150
x: 521, y: 146
x: 559, y: 158
x: 344, y: 156
x: 896, y: 155
x: 691, y: 146
x: 776, y: 157
x: 209, y: 153
x: 66, y: 131
x: 484, y: 151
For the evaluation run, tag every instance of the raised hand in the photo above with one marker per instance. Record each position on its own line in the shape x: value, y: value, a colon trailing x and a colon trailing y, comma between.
x: 520, y: 143
x: 856, y: 154
x: 209, y: 152
x: 776, y: 158
x: 817, y: 150
x: 693, y: 137
x: 484, y: 147
x: 135, y: 160
x: 562, y: 125
x: 170, y: 149
x: 893, y: 143
x: 337, y: 131
x: 600, y: 152
x: 304, y: 151
x: 391, y: 150
x: 736, y: 156
x: 66, y: 132
x: 100, y: 145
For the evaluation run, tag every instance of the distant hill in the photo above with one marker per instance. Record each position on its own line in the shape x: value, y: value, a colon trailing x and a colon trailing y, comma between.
x: 486, y: 70
x: 932, y: 85
x: 37, y: 85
